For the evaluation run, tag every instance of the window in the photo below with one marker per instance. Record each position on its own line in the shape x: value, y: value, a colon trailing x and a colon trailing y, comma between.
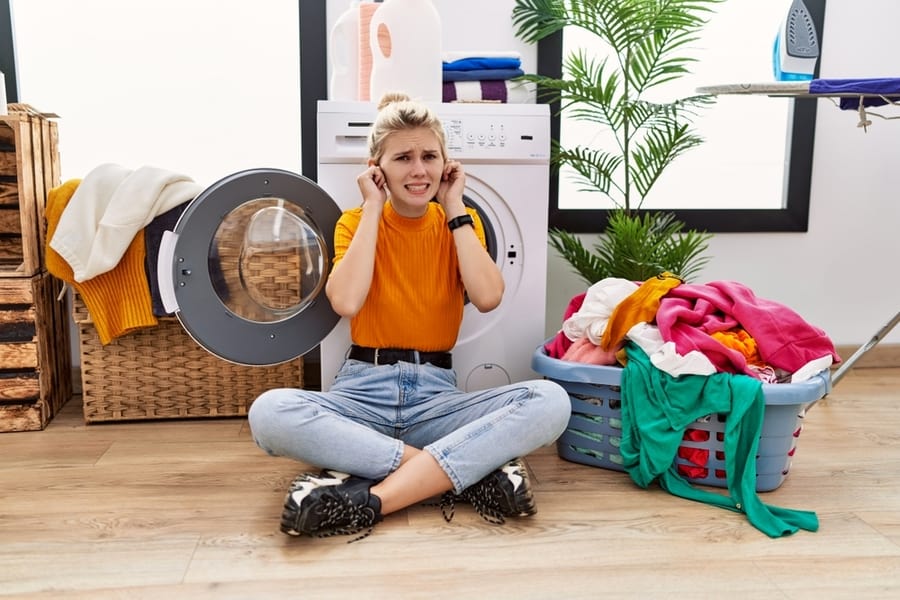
x: 753, y: 172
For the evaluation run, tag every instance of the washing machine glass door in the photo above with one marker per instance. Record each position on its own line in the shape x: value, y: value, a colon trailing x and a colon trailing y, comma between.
x: 245, y: 268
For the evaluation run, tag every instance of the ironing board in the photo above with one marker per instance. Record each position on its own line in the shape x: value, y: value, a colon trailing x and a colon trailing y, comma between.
x: 852, y: 94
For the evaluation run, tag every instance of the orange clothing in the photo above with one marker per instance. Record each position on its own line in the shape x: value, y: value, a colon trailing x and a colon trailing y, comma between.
x: 118, y: 300
x: 417, y: 296
x: 639, y: 307
x: 738, y: 339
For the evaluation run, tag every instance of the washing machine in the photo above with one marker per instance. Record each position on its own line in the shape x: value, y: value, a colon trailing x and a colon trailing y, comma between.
x: 505, y: 150
x: 244, y: 268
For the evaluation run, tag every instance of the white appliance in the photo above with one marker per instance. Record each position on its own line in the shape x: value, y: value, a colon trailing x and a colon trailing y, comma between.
x: 505, y: 150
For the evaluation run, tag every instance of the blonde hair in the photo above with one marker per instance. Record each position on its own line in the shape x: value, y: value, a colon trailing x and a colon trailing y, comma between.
x: 397, y: 112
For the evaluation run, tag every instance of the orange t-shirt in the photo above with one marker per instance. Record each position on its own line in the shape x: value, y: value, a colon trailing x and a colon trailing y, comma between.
x: 417, y: 295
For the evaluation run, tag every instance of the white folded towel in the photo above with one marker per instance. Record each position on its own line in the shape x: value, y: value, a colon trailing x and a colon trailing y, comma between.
x: 513, y: 92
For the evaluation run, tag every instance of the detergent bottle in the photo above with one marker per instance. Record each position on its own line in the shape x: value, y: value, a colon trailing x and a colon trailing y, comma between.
x: 405, y: 37
x: 366, y: 10
x: 796, y: 45
x: 343, y: 52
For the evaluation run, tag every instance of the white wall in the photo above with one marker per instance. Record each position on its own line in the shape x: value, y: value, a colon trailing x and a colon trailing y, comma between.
x: 201, y: 87
x: 208, y: 88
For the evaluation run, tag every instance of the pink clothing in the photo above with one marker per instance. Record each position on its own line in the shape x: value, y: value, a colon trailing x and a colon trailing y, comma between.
x: 690, y: 313
x: 557, y: 347
x: 585, y: 351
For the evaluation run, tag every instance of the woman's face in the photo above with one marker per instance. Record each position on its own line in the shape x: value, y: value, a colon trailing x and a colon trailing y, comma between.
x: 412, y: 164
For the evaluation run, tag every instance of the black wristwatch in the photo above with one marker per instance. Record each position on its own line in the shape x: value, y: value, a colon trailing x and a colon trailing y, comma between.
x: 457, y: 222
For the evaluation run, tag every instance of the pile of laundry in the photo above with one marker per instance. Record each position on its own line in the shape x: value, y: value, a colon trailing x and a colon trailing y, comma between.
x: 697, y: 329
x: 103, y: 235
x: 689, y: 351
x: 485, y: 77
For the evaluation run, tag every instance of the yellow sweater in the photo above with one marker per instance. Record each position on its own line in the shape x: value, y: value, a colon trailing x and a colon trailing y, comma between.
x: 417, y: 295
x: 119, y: 300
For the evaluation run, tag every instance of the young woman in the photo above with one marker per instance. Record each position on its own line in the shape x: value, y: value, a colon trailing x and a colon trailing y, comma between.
x: 394, y: 429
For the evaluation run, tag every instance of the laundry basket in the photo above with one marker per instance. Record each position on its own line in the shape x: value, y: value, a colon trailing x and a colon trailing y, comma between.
x: 594, y: 433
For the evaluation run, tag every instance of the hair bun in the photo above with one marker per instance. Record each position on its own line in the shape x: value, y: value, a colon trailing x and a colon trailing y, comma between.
x: 391, y: 97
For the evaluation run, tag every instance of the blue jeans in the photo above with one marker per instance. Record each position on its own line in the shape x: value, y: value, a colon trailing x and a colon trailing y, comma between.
x: 361, y: 424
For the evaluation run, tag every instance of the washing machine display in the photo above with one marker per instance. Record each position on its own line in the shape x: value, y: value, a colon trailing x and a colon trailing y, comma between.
x: 505, y: 150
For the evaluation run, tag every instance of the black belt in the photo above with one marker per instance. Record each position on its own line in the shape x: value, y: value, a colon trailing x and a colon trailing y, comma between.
x: 390, y: 356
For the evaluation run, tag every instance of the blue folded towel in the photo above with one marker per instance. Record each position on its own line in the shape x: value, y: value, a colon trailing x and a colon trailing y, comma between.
x: 482, y: 62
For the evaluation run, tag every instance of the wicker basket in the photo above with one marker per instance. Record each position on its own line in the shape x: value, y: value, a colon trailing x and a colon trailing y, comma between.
x: 594, y: 433
x: 161, y: 373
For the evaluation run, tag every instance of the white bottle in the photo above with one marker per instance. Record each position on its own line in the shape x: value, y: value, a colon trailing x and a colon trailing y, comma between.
x: 343, y: 52
x: 405, y: 36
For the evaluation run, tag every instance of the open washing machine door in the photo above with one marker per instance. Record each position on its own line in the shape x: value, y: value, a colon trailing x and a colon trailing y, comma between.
x: 245, y: 268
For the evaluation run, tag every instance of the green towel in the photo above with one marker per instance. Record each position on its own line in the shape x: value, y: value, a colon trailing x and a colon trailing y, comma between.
x: 657, y: 408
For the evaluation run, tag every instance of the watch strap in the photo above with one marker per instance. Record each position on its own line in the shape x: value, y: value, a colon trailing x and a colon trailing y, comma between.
x: 457, y: 222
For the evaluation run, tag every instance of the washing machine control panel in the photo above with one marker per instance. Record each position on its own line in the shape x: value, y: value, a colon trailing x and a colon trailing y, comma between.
x: 488, y: 137
x: 475, y: 132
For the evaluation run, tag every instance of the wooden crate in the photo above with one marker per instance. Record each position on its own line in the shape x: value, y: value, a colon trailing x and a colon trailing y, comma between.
x: 35, y: 356
x: 29, y: 168
x: 162, y: 373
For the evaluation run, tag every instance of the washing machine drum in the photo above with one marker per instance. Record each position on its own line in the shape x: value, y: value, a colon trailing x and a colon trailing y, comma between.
x: 245, y: 268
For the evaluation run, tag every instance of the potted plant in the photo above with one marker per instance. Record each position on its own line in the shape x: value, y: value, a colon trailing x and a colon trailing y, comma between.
x: 647, y: 42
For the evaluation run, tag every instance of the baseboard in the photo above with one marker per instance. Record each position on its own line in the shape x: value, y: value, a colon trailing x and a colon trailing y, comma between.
x: 881, y: 356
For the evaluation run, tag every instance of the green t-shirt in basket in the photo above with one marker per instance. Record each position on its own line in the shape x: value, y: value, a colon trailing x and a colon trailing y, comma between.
x: 657, y: 408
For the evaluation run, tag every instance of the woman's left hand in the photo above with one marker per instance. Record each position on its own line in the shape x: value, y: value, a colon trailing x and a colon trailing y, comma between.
x: 453, y: 184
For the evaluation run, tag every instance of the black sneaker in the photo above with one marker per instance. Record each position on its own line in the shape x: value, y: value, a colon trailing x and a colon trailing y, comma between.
x: 311, y: 480
x: 330, y: 503
x: 503, y: 493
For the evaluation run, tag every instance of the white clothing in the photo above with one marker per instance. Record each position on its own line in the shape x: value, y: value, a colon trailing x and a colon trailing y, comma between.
x: 109, y: 207
x: 664, y: 356
x: 599, y: 302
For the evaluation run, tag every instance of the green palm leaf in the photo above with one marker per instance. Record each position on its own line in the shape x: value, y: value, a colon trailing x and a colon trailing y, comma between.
x: 648, y: 42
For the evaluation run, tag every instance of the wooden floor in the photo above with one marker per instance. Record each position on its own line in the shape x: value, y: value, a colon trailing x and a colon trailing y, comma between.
x: 172, y: 510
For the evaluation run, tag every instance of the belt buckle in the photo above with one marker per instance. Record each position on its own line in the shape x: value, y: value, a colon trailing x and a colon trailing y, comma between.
x: 377, y: 350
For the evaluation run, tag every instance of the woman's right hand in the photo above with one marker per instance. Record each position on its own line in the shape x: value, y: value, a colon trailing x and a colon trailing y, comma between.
x: 349, y: 281
x: 372, y: 184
